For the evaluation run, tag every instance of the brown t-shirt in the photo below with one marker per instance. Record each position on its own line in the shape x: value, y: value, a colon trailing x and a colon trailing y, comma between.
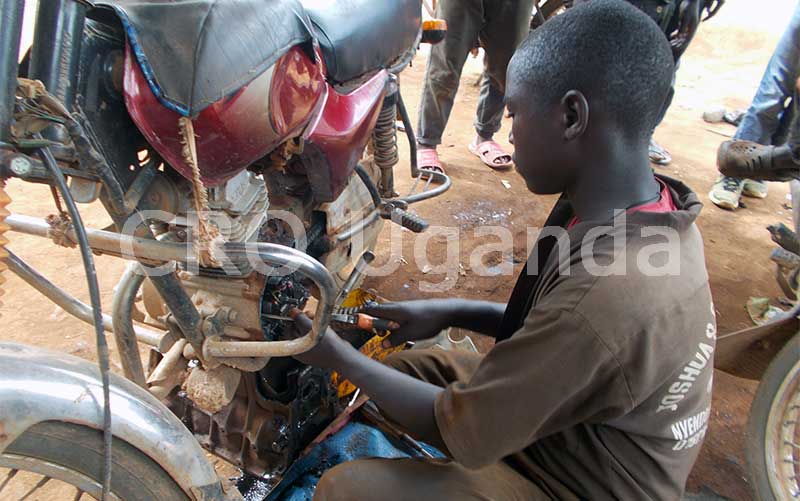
x: 604, y: 388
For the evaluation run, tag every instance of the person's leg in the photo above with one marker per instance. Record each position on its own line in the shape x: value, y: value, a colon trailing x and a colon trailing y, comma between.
x: 658, y: 154
x: 763, y: 118
x: 748, y: 160
x: 507, y: 25
x: 436, y: 366
x: 443, y: 71
x: 489, y: 115
x: 420, y: 480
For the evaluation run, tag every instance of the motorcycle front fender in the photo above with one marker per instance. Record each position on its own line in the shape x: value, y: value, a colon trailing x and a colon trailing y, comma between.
x: 38, y: 385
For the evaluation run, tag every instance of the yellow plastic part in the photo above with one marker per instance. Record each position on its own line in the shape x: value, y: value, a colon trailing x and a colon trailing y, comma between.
x: 372, y: 348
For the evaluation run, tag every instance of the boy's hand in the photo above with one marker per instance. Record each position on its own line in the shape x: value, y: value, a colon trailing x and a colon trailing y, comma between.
x: 329, y: 353
x: 420, y: 319
x: 689, y: 12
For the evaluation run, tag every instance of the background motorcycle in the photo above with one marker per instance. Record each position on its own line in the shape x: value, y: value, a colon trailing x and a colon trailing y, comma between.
x: 770, y: 352
x: 206, y: 129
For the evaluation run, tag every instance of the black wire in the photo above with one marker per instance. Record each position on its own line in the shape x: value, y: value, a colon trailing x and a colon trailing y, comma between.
x: 412, y: 140
x: 97, y: 311
x: 373, y: 190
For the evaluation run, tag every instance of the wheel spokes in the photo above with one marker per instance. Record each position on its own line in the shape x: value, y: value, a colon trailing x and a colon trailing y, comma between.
x: 35, y: 488
x: 11, y: 474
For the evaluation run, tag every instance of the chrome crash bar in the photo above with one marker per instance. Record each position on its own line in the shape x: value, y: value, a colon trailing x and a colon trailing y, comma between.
x: 156, y: 252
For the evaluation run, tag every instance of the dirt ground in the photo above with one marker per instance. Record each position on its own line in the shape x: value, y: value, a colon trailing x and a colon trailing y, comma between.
x: 721, y: 68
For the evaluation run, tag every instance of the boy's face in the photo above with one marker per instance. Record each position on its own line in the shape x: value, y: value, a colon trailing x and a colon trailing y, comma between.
x: 541, y: 154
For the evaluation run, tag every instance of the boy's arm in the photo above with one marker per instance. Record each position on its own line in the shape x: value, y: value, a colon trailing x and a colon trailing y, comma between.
x: 482, y: 317
x: 406, y: 400
x: 423, y: 319
x: 551, y: 375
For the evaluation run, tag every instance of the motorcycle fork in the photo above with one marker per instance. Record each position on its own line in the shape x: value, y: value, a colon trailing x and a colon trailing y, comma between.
x: 56, y: 48
x: 11, y: 15
x: 55, y: 53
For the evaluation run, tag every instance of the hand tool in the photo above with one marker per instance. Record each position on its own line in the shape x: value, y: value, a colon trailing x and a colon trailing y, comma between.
x: 366, y: 322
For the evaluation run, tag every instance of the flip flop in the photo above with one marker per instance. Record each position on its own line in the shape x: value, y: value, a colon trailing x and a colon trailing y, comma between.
x: 490, y: 152
x: 428, y: 159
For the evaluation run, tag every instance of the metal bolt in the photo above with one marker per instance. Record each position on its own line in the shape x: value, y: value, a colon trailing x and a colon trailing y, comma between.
x: 21, y: 166
x: 229, y: 314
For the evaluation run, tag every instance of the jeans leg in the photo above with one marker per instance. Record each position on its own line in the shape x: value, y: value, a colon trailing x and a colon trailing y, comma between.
x: 443, y: 71
x: 762, y: 119
x: 507, y: 25
x: 489, y: 116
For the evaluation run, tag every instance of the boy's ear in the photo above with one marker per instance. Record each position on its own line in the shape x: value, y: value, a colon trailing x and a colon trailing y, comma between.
x: 576, y: 114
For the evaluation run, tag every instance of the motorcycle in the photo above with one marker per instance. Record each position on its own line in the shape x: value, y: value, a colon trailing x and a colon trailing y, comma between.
x: 770, y: 352
x: 245, y: 151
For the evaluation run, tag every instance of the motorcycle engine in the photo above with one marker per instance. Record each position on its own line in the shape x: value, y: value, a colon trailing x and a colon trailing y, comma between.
x: 272, y: 411
x: 275, y: 411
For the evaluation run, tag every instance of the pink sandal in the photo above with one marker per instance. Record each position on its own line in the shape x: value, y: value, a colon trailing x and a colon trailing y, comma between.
x: 428, y: 159
x: 490, y: 152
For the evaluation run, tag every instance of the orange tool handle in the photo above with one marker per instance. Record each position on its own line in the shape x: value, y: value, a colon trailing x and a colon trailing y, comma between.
x: 368, y: 323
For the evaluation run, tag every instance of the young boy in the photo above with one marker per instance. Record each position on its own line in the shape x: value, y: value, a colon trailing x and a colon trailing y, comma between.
x: 599, y: 384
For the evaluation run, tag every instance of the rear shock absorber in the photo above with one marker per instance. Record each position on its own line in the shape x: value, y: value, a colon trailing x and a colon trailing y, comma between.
x: 384, y: 140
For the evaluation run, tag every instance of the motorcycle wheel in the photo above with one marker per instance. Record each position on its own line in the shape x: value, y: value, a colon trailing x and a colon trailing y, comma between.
x: 773, y: 428
x: 72, y: 454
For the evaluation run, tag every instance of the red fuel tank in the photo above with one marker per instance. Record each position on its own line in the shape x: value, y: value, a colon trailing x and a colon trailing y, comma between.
x: 235, y: 131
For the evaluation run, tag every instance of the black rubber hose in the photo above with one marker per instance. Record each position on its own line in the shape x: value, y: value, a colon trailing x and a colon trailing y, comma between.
x: 412, y: 139
x: 97, y: 311
x: 373, y: 190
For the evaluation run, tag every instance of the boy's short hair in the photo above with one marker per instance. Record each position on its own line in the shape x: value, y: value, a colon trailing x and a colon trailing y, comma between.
x: 607, y: 49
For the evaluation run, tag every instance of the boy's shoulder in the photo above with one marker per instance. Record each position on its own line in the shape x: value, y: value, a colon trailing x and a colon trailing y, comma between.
x: 641, y: 281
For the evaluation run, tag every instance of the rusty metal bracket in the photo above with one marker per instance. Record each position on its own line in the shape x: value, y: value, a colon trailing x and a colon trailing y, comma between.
x: 748, y: 352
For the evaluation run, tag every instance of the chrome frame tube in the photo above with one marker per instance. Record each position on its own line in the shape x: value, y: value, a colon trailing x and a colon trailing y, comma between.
x: 280, y: 255
x: 144, y: 249
x: 74, y: 306
x: 271, y: 254
x: 122, y: 318
x: 443, y: 179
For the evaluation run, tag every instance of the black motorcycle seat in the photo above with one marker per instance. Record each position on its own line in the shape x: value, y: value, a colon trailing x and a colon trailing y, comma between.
x: 361, y: 36
x: 196, y: 52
